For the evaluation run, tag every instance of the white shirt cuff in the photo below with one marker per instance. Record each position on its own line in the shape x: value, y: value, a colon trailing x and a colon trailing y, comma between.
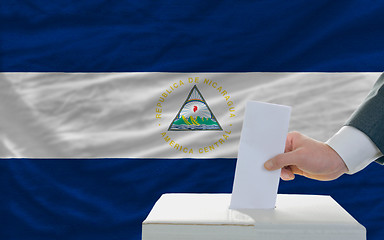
x: 354, y: 147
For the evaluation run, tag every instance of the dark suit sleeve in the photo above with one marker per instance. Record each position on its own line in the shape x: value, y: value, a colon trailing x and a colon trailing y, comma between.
x: 369, y: 116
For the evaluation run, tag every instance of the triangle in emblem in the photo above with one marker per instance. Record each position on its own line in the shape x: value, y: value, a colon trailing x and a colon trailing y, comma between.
x: 195, y: 115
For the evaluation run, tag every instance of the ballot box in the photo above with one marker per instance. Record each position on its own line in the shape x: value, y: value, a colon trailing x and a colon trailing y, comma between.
x: 208, y: 217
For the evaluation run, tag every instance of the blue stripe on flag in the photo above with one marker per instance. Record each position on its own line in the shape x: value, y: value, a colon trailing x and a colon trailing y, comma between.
x: 191, y: 36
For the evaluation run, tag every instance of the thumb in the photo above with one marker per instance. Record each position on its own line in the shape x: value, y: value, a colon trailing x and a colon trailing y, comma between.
x: 282, y: 160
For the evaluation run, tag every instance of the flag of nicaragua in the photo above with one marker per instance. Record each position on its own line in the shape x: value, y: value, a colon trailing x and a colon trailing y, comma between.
x: 153, y: 92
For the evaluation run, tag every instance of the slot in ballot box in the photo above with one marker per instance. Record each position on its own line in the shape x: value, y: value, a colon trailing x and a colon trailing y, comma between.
x: 208, y: 217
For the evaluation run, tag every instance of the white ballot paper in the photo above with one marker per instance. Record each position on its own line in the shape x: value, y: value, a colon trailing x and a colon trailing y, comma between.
x: 263, y: 136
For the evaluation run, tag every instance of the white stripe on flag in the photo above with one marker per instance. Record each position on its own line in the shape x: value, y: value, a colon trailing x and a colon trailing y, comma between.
x: 157, y: 115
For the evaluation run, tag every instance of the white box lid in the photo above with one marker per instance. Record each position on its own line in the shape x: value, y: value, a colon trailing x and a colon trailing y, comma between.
x: 291, y: 212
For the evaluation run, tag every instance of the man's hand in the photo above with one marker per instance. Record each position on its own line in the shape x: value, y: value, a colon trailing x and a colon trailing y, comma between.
x: 307, y: 157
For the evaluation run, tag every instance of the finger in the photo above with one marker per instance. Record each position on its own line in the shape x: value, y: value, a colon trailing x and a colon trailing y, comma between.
x: 282, y: 160
x: 288, y: 144
x: 296, y: 170
x: 287, y: 174
x: 289, y: 141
